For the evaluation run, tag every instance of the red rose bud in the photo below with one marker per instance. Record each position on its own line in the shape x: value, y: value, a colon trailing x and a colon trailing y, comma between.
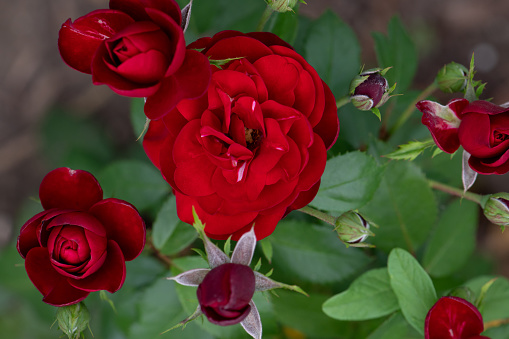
x: 453, y: 318
x: 225, y: 293
x: 370, y: 89
x: 80, y: 242
x: 73, y: 319
x: 353, y: 229
x: 496, y: 209
x: 452, y: 78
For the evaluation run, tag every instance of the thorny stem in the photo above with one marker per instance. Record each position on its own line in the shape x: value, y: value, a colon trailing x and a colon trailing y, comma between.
x: 319, y: 215
x: 409, y: 110
x: 265, y: 17
x: 455, y: 191
x: 342, y: 101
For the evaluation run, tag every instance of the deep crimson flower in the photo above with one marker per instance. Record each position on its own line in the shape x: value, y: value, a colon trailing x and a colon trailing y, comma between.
x: 253, y: 148
x: 225, y: 293
x: 137, y: 48
x: 480, y: 127
x: 80, y: 242
x: 453, y: 318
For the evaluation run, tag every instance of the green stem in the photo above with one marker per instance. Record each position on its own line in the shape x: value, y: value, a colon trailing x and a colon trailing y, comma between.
x: 319, y: 215
x: 410, y: 109
x: 265, y: 17
x: 477, y: 198
x: 342, y: 101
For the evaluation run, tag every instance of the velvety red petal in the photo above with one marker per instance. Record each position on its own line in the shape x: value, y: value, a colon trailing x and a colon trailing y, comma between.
x: 269, y: 39
x: 238, y: 46
x: 137, y: 8
x: 144, y: 68
x: 28, y: 238
x: 304, y: 198
x: 83, y: 219
x: 328, y: 127
x: 109, y: 277
x: 474, y: 135
x: 153, y: 140
x: 495, y: 165
x: 54, y: 287
x: 484, y: 107
x: 193, y: 177
x: 67, y: 188
x: 78, y: 41
x: 123, y: 224
x: 315, y: 166
x: 189, y: 82
x: 264, y: 225
x: 443, y: 127
x: 280, y: 77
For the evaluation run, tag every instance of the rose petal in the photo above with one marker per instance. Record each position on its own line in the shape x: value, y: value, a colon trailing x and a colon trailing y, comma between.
x: 137, y: 8
x: 328, y: 127
x: 123, y: 224
x: 484, y: 107
x: 154, y: 139
x: 110, y: 276
x: 54, y: 287
x: 83, y: 219
x: 28, y: 238
x: 238, y: 46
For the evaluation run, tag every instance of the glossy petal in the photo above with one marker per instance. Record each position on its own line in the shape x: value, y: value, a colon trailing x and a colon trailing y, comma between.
x: 82, y: 219
x: 53, y: 286
x: 328, y: 127
x: 69, y: 189
x: 137, y: 8
x: 154, y: 139
x: 123, y: 224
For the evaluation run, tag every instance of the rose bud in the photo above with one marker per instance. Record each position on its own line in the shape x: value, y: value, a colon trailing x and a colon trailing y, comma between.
x: 80, y: 242
x: 282, y: 5
x: 370, y: 89
x: 496, y: 209
x: 225, y: 293
x: 353, y: 229
x: 73, y: 319
x: 452, y: 78
x: 453, y: 317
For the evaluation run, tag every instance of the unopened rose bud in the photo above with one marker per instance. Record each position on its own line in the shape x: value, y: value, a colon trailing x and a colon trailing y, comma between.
x: 497, y: 209
x: 73, y: 319
x: 370, y: 90
x: 353, y: 229
x: 282, y: 5
x: 452, y: 78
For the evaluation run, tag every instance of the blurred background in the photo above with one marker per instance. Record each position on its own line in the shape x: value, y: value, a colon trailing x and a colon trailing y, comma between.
x: 48, y: 109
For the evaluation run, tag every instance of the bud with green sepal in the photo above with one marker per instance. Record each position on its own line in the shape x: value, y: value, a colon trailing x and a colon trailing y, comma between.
x: 496, y: 209
x: 283, y: 5
x: 452, y: 78
x: 353, y: 229
x: 73, y: 319
x: 370, y: 90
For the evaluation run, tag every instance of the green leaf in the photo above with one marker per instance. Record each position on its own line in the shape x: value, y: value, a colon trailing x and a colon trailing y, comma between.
x: 266, y: 249
x: 313, y: 254
x: 165, y: 223
x: 395, y: 327
x: 413, y: 287
x: 138, y: 118
x: 410, y: 150
x: 454, y: 240
x: 397, y: 50
x: 348, y: 183
x: 496, y: 298
x: 136, y: 182
x: 333, y: 50
x: 403, y: 206
x: 285, y: 26
x: 370, y: 296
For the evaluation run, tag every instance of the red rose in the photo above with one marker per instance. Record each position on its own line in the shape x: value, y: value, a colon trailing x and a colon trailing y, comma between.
x: 453, y: 318
x: 80, y: 243
x: 480, y: 127
x: 137, y: 48
x: 225, y: 293
x: 253, y: 148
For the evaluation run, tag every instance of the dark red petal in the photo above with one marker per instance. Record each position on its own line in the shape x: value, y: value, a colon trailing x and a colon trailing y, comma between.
x: 495, y: 165
x: 304, y: 198
x: 453, y: 317
x: 445, y: 133
x: 328, y: 127
x: 67, y: 188
x: 474, y: 135
x: 54, y: 287
x: 153, y: 140
x: 189, y: 82
x: 269, y: 39
x: 313, y: 171
x: 28, y: 238
x: 264, y: 225
x: 109, y: 277
x: 79, y: 41
x: 123, y: 224
x: 484, y: 107
x: 83, y: 219
x: 280, y: 77
x: 137, y: 8
x: 238, y: 46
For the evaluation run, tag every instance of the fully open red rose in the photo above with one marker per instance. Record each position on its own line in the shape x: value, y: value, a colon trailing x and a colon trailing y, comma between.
x: 453, y: 318
x: 225, y: 293
x: 253, y: 148
x: 80, y: 242
x: 137, y: 48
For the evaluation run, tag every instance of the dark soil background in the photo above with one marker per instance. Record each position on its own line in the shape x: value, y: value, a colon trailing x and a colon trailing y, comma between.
x: 34, y: 80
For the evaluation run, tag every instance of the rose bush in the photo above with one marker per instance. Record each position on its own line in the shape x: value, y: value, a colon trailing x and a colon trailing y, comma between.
x: 80, y: 242
x: 480, y: 127
x: 225, y: 293
x: 137, y: 48
x: 253, y: 148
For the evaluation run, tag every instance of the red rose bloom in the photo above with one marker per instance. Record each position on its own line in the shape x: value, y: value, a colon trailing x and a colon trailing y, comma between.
x: 253, y: 148
x: 80, y: 242
x: 137, y: 48
x: 453, y: 318
x: 225, y: 293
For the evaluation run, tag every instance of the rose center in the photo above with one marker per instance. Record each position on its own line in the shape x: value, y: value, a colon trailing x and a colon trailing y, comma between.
x: 124, y: 50
x: 499, y: 137
x: 253, y: 138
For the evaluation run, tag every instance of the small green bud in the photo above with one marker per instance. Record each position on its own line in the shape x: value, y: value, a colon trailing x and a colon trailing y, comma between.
x: 73, y: 319
x: 452, y: 78
x: 353, y: 229
x: 496, y: 209
x: 282, y: 5
x: 370, y: 89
